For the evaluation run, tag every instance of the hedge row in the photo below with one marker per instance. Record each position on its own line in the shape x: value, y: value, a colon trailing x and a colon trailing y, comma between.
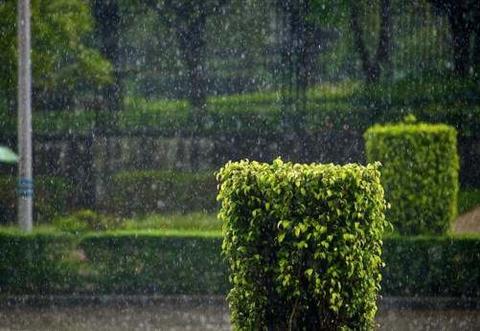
x: 39, y: 263
x: 419, y: 174
x: 186, y: 263
x: 156, y: 263
x: 50, y: 198
x: 432, y: 266
x: 142, y: 192
x: 302, y: 243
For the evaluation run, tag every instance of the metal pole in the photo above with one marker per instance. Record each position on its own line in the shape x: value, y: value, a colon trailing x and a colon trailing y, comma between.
x: 25, y: 180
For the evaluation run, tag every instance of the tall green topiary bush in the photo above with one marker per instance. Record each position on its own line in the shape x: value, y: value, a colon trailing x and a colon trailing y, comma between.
x: 419, y: 174
x: 303, y: 244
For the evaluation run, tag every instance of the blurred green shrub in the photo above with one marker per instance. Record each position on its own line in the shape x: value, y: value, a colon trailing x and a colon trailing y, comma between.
x: 419, y: 174
x: 145, y: 192
x: 302, y: 243
x: 86, y: 221
x: 50, y: 198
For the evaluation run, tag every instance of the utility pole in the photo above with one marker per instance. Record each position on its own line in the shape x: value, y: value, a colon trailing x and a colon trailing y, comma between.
x: 25, y: 179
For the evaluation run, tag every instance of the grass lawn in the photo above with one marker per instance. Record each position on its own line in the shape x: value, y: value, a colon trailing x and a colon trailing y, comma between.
x: 188, y: 222
x: 468, y: 199
x: 199, y: 222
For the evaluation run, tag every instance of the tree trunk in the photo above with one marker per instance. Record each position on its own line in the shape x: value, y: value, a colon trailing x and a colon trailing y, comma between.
x: 373, y: 67
x: 476, y: 30
x: 385, y: 36
x: 461, y: 38
x: 107, y: 23
x: 458, y: 14
x: 476, y: 52
x: 370, y: 69
x: 191, y: 39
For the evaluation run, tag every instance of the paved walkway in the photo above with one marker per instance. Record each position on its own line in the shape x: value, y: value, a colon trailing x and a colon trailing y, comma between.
x: 182, y: 315
x: 468, y: 222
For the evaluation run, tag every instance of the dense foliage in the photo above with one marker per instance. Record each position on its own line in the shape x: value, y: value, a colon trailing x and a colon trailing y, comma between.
x: 143, y: 192
x: 302, y: 243
x: 419, y: 174
x: 63, y: 62
x: 50, y: 198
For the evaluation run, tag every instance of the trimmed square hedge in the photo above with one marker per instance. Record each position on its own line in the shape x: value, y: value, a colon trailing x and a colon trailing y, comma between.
x: 419, y: 174
x: 302, y: 243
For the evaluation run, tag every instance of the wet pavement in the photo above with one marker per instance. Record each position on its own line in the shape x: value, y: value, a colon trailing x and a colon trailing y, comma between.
x: 196, y: 315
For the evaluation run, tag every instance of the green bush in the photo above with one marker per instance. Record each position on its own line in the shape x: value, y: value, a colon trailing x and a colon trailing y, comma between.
x: 303, y: 244
x: 419, y: 174
x: 50, y: 198
x: 144, y: 192
x: 84, y: 221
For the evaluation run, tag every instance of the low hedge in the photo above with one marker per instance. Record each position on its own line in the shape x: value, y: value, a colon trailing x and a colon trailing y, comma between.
x: 419, y: 174
x: 50, y: 198
x: 143, y: 192
x: 167, y: 263
x: 432, y: 266
x: 303, y: 244
x: 38, y: 263
x: 191, y: 263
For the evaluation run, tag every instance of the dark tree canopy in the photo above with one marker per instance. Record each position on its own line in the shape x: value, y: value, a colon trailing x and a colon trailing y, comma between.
x: 464, y: 20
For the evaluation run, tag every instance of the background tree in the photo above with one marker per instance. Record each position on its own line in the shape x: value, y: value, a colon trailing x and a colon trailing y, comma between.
x: 476, y: 29
x: 188, y: 20
x: 64, y: 66
x: 107, y: 23
x: 464, y: 20
x: 300, y: 40
x: 372, y: 65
